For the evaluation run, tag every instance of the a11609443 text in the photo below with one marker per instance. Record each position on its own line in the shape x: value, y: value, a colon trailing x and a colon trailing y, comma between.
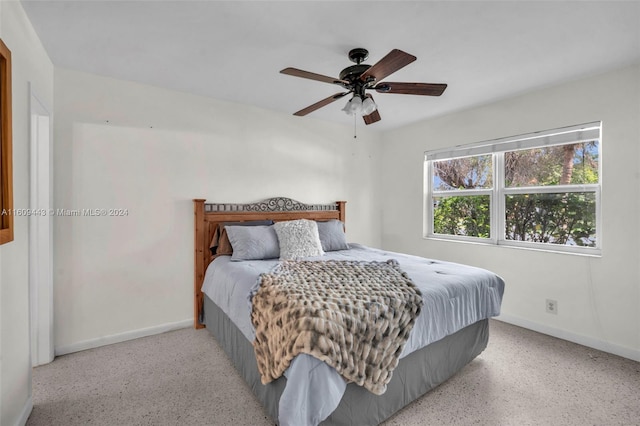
x: 98, y: 212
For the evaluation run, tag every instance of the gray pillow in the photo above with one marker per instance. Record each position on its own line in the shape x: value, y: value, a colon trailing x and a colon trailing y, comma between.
x: 298, y: 239
x: 332, y: 235
x: 253, y: 242
x: 220, y: 243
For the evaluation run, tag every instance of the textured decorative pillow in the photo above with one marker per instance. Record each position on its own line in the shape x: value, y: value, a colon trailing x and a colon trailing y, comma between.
x: 298, y: 238
x: 220, y: 242
x: 332, y: 235
x: 253, y: 242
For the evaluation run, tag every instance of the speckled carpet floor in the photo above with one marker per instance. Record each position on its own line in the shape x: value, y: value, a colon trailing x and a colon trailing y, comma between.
x: 184, y: 378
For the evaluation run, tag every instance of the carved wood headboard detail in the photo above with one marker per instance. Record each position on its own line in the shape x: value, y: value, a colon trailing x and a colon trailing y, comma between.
x: 207, y: 217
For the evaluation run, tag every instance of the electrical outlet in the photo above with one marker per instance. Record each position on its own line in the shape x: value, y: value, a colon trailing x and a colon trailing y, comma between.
x: 552, y: 306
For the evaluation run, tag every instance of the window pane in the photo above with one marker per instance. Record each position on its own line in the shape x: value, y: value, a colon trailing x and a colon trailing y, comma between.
x: 462, y: 215
x: 561, y: 218
x: 553, y: 165
x: 463, y: 173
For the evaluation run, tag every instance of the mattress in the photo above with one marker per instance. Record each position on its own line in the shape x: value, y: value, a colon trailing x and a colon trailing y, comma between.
x: 455, y: 297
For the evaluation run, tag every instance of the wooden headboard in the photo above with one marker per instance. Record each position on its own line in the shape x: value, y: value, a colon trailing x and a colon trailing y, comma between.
x: 209, y: 215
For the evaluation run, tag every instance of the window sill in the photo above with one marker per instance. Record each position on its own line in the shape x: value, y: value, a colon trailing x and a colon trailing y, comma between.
x: 597, y: 253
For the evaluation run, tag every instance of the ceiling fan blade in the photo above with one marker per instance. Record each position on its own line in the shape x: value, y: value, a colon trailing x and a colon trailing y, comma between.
x: 373, y: 117
x: 312, y: 76
x: 391, y: 63
x: 424, y: 89
x: 320, y: 104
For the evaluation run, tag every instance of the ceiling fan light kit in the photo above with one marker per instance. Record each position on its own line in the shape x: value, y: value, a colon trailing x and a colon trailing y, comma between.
x: 359, y: 78
x: 356, y: 106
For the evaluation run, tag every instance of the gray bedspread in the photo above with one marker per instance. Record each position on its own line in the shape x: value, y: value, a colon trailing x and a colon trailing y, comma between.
x: 454, y: 297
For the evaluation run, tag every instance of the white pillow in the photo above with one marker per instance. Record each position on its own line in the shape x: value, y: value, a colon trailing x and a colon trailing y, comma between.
x: 298, y: 238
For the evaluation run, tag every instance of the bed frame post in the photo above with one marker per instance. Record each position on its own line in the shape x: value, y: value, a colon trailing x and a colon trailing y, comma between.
x: 343, y: 211
x: 199, y: 259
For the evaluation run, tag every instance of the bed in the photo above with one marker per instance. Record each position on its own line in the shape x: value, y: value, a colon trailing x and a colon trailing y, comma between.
x: 450, y: 331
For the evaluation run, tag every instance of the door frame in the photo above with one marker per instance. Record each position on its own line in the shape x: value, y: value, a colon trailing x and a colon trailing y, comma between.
x: 40, y: 230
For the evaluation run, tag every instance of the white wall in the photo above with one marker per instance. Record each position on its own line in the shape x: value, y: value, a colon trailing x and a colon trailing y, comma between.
x: 598, y: 298
x: 30, y: 64
x: 151, y: 151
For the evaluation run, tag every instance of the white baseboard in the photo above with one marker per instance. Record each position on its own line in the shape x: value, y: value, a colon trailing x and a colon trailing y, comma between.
x: 600, y: 345
x: 26, y: 412
x: 122, y: 337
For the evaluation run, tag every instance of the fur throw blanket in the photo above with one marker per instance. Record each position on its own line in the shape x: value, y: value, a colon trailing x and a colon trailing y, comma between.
x: 354, y: 315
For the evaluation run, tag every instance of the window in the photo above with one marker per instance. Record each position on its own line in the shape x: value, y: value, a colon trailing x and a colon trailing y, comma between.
x: 6, y: 174
x: 540, y: 190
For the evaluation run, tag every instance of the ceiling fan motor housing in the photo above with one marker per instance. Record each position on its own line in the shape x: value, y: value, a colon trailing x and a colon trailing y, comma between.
x: 353, y: 73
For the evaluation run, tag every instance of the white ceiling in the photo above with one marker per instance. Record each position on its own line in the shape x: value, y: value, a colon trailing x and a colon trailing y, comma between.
x: 234, y: 50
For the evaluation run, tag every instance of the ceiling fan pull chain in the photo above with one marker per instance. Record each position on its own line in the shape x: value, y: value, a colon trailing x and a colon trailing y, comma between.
x: 354, y: 125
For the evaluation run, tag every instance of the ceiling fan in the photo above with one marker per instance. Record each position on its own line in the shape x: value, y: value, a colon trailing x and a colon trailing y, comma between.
x: 358, y: 78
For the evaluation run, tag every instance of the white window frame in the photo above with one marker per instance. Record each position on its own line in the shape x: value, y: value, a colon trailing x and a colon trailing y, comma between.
x: 497, y: 194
